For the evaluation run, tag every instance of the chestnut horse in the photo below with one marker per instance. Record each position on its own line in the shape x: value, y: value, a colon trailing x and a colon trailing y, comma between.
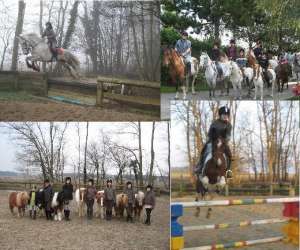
x: 18, y: 200
x: 121, y: 204
x: 175, y: 64
x: 213, y: 173
x: 283, y: 71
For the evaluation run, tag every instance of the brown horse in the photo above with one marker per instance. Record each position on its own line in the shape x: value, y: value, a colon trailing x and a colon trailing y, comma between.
x: 121, y: 204
x: 283, y: 71
x: 213, y: 176
x: 138, y: 204
x: 176, y: 67
x: 18, y: 200
x: 253, y: 64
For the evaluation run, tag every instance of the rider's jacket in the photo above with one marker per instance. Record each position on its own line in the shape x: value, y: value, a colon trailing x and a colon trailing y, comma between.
x: 182, y: 46
x: 219, y: 128
x: 215, y: 54
x: 257, y: 52
x: 50, y: 34
x: 232, y: 52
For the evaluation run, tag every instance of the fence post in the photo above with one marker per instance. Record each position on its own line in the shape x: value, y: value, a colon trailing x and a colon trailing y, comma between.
x: 226, y: 190
x: 99, y: 96
x: 177, y: 238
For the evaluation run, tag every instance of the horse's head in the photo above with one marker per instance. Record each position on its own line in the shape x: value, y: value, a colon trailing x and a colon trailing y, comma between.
x: 24, y: 198
x: 24, y: 44
x: 204, y: 59
x: 169, y: 56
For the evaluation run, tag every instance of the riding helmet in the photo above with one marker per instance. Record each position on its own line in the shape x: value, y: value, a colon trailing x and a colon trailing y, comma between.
x: 50, y: 24
x: 184, y: 33
x: 224, y: 111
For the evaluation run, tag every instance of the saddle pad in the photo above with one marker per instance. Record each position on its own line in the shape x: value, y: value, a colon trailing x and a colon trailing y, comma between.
x: 59, y: 51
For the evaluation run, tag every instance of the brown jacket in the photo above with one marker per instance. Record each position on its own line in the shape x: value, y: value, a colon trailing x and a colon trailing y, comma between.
x: 90, y: 193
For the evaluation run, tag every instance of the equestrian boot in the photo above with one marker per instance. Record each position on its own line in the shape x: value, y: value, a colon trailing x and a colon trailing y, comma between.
x: 34, y: 214
x: 229, y: 172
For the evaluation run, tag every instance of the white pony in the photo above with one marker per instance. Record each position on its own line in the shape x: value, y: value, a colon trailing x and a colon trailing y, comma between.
x: 193, y: 74
x: 236, y: 78
x: 259, y: 84
x: 210, y: 72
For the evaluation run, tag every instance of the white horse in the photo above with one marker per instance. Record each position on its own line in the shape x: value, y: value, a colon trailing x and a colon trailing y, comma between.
x: 210, y: 72
x: 272, y: 77
x: 193, y: 74
x: 39, y: 49
x: 273, y: 63
x: 259, y: 84
x: 236, y: 78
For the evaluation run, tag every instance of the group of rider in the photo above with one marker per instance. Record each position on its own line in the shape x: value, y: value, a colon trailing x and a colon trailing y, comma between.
x: 184, y: 49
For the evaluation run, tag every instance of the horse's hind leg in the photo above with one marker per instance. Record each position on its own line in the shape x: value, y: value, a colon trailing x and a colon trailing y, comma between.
x: 208, y: 214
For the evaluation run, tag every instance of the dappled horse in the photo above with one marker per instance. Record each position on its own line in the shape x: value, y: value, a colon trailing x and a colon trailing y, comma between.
x: 138, y: 204
x: 39, y: 49
x: 18, y: 200
x: 210, y: 73
x: 212, y: 179
x: 57, y: 205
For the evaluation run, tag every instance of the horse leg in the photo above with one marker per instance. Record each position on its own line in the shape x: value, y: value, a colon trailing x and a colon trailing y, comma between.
x: 197, y: 213
x: 208, y: 214
x: 262, y: 92
x: 19, y: 212
x: 255, y: 92
x: 184, y: 92
x: 193, y: 85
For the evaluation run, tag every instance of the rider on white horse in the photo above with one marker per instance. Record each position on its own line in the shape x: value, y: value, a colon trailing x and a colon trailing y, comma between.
x: 184, y: 49
x: 52, y: 42
x: 219, y: 128
x: 216, y: 56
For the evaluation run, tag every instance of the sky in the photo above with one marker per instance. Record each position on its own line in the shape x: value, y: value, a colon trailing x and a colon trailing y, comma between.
x: 9, y: 147
x: 178, y: 134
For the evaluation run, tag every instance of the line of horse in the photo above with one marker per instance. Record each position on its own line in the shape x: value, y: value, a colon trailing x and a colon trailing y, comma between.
x: 253, y: 75
x: 20, y: 201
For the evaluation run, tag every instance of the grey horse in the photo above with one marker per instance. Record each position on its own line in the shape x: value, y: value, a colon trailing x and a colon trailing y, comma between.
x: 32, y: 43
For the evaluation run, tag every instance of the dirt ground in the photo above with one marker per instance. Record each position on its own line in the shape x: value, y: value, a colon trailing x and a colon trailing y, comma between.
x: 24, y: 233
x: 235, y: 214
x: 43, y: 110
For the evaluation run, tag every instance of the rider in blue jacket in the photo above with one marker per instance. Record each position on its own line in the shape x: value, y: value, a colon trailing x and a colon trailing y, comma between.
x: 219, y: 128
x: 184, y: 49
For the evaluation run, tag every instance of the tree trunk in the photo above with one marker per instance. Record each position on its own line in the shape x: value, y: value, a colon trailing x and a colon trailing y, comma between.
x: 85, y: 151
x: 140, y: 155
x: 19, y: 28
x: 150, y: 178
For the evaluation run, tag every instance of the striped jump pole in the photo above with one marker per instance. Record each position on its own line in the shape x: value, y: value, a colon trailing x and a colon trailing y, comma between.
x: 237, y: 244
x: 177, y: 230
x: 240, y: 224
x: 235, y: 202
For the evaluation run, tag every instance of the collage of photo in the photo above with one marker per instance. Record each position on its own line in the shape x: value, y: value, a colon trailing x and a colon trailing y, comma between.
x: 149, y: 124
